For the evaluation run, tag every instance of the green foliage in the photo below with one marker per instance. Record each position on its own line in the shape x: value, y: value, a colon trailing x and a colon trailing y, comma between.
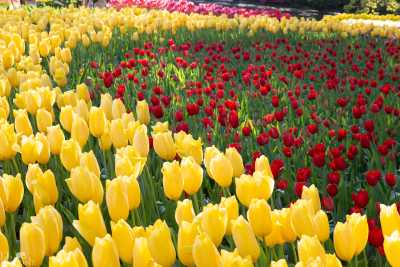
x: 324, y: 4
x: 374, y: 6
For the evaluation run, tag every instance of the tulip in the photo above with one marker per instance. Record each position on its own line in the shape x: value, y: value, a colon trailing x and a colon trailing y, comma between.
x: 7, y: 58
x: 124, y: 239
x: 233, y: 259
x: 244, y: 238
x: 82, y: 110
x: 186, y: 146
x: 4, y: 108
x: 312, y: 194
x: 5, y: 87
x: 160, y: 127
x: 259, y: 216
x: 50, y: 221
x: 390, y: 219
x: 172, y: 180
x: 69, y: 98
x: 231, y: 206
x: 285, y: 216
x: 70, y: 259
x: 70, y: 154
x: 90, y: 224
x: 141, y: 141
x: 160, y: 244
x: 33, y: 101
x: 88, y: 159
x: 332, y: 261
x: 310, y: 248
x: 66, y: 117
x: 302, y: 217
x: 4, y: 250
x: 359, y: 227
x: 117, y: 108
x: 184, y: 211
x: 30, y: 149
x: 84, y: 185
x: 97, y: 121
x: 141, y: 253
x: 71, y: 244
x: 236, y: 161
x: 391, y: 246
x: 264, y: 185
x: 32, y: 244
x: 205, y: 253
x: 186, y: 237
x: 209, y: 154
x: 44, y: 47
x: 276, y: 236
x: 106, y: 105
x: 164, y: 145
x: 344, y: 241
x: 321, y: 225
x: 79, y: 130
x: 83, y: 92
x: 262, y: 165
x: 221, y: 170
x: 8, y: 141
x: 118, y: 133
x: 117, y: 199
x: 279, y: 263
x: 2, y: 214
x: 214, y: 221
x: 22, y: 123
x: 14, y: 263
x: 11, y: 192
x: 133, y: 191
x: 245, y: 188
x: 44, y: 119
x: 192, y: 174
x: 142, y: 112
x: 105, y: 253
x: 56, y: 137
x: 105, y: 141
x: 44, y: 155
x: 66, y: 55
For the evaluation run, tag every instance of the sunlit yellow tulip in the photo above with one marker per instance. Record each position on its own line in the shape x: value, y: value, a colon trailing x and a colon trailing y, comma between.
x: 5, y: 87
x: 221, y: 170
x: 184, y: 211
x: 187, y: 146
x: 259, y: 216
x: 359, y: 227
x: 214, y: 221
x: 160, y: 244
x: 310, y: 248
x: 192, y: 174
x: 117, y: 108
x: 142, y: 112
x: 186, y: 237
x: 141, y: 141
x: 22, y: 123
x: 231, y: 205
x: 141, y: 253
x: 106, y: 105
x: 117, y: 199
x: 279, y: 263
x: 70, y: 154
x: 390, y: 219
x: 244, y: 239
x: 105, y: 252
x: 4, y: 108
x: 44, y: 155
x: 205, y: 253
x: 83, y: 92
x: 30, y: 149
x: 8, y: 141
x: 172, y: 180
x: 43, y: 120
x: 164, y: 145
x: 312, y: 194
x: 88, y: 159
x: 4, y: 249
x: 160, y: 127
x: 11, y: 191
x: 233, y: 259
x: 56, y: 137
x: 391, y: 245
x: 79, y: 130
x: 262, y: 165
x: 118, y: 133
x: 66, y: 117
x: 344, y: 241
x: 302, y: 217
x: 124, y: 239
x: 32, y: 244
x: 321, y: 225
x: 14, y: 263
x: 85, y: 185
x: 236, y: 161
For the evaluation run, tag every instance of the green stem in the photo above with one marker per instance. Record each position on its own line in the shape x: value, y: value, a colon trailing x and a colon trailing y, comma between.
x: 293, y: 246
x: 11, y: 234
x: 196, y: 203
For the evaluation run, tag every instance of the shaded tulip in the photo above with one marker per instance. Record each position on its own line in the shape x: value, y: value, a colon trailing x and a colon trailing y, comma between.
x: 141, y: 253
x: 4, y: 249
x: 44, y: 155
x: 302, y: 217
x: 360, y: 229
x: 221, y: 170
x: 84, y: 185
x: 124, y: 239
x: 164, y: 145
x: 44, y: 120
x: 118, y: 133
x: 244, y: 238
x: 172, y: 180
x: 186, y: 237
x: 79, y: 130
x: 11, y: 191
x: 184, y: 211
x: 160, y: 244
x: 90, y: 224
x: 22, y: 123
x: 89, y: 160
x: 259, y: 216
x: 50, y: 221
x: 344, y: 241
x: 391, y: 246
x: 66, y: 117
x: 321, y: 225
x: 262, y: 165
x: 55, y: 136
x: 142, y: 112
x: 310, y: 248
x: 105, y: 252
x: 187, y: 146
x: 70, y: 154
x: 205, y: 253
x: 97, y: 121
x: 389, y: 218
x: 192, y: 174
x: 117, y: 108
x: 311, y: 193
x: 141, y: 141
x: 231, y: 205
x: 214, y: 221
x: 117, y: 199
x: 236, y: 161
x: 279, y: 263
x: 32, y: 244
x: 30, y: 149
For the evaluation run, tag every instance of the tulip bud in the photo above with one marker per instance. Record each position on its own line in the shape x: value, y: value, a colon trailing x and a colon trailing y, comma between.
x: 344, y: 241
x: 14, y: 263
x: 310, y: 248
x: 141, y: 253
x: 30, y: 149
x: 105, y: 141
x: 4, y: 250
x: 164, y: 145
x: 321, y: 225
x: 88, y: 159
x: 71, y: 244
x: 172, y: 180
x: 124, y: 239
x: 90, y: 224
x: 233, y: 259
x: 82, y: 110
x: 84, y: 185
x: 79, y: 130
x: 68, y: 259
x: 22, y: 123
x: 118, y: 132
x: 117, y: 199
x: 160, y: 127
x: 279, y: 263
x: 66, y: 55
x: 106, y: 105
x: 8, y: 58
x: 105, y: 252
x: 11, y: 192
x: 312, y: 194
x: 221, y: 170
x: 360, y: 229
x: 44, y: 155
x: 205, y: 253
x: 32, y: 244
x: 390, y: 219
x: 186, y: 237
x: 118, y: 108
x: 236, y: 161
x: 244, y: 238
x: 142, y: 112
x: 5, y: 87
x: 66, y: 117
x: 231, y: 206
x: 4, y: 108
x: 50, y: 221
x: 187, y: 146
x: 184, y: 211
x: 276, y: 236
x: 141, y: 141
x: 97, y: 121
x: 302, y: 217
x: 391, y: 246
x: 192, y: 174
x: 43, y: 120
x: 8, y: 141
x: 160, y: 244
x: 83, y: 92
x: 56, y: 137
x: 70, y: 154
x: 44, y: 47
x: 262, y: 165
x: 214, y: 221
x: 259, y: 216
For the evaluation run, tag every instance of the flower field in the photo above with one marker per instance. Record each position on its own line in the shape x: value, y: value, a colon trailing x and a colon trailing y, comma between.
x: 145, y: 137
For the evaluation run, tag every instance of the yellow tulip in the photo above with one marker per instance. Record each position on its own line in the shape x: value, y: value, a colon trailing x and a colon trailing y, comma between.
x: 118, y: 133
x: 88, y: 159
x: 44, y: 155
x: 85, y: 185
x: 133, y: 191
x: 97, y: 121
x: 160, y: 127
x: 231, y: 205
x: 69, y: 98
x: 141, y: 141
x: 30, y: 149
x: 8, y: 58
x: 32, y: 244
x: 11, y: 191
x: 344, y: 241
x: 124, y: 239
x: 2, y: 214
x: 302, y: 217
x: 244, y: 238
x: 68, y: 259
x: 70, y: 154
x: 276, y: 236
x: 172, y: 180
x: 192, y: 174
x: 44, y: 47
x: 360, y: 229
x: 221, y: 170
x: 117, y: 108
x: 262, y: 165
x: 279, y: 263
x: 209, y: 154
x: 4, y: 250
x: 214, y: 221
x: 259, y: 216
x: 236, y: 161
x: 82, y: 110
x: 141, y: 253
x: 4, y: 108
x: 8, y: 141
x: 332, y: 261
x: 233, y: 259
x: 106, y: 105
x: 105, y: 252
x: 321, y: 225
x: 56, y: 137
x: 43, y: 120
x: 391, y: 245
x: 142, y: 112
x: 66, y: 117
x: 186, y: 237
x: 79, y: 130
x: 390, y: 219
x: 184, y: 211
x: 50, y: 221
x: 5, y: 87
x: 117, y: 199
x: 160, y: 244
x: 22, y: 123
x: 105, y: 141
x: 311, y: 193
x: 90, y: 224
x: 83, y: 92
x: 71, y: 244
x: 187, y: 146
x: 205, y: 253
x: 66, y: 55
x: 310, y: 248
x: 164, y: 145
x: 33, y: 101
x: 14, y: 263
